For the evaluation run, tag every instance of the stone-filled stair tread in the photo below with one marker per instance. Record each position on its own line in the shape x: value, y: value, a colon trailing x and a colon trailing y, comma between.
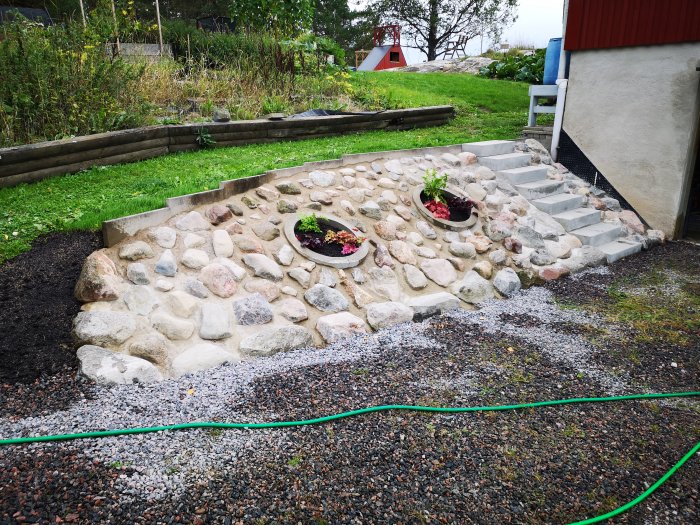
x: 525, y: 174
x: 535, y: 185
x: 619, y: 248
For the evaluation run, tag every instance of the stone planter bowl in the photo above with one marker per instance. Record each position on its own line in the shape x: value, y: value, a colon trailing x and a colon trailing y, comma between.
x: 454, y: 226
x: 347, y: 261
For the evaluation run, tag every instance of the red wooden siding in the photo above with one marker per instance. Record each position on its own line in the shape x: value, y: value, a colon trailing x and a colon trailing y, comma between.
x: 601, y: 24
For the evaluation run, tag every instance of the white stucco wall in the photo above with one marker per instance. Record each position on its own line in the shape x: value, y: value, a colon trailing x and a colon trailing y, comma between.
x: 634, y: 113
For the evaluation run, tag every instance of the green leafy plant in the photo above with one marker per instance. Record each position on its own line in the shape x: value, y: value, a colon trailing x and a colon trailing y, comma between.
x: 523, y: 68
x: 434, y: 185
x: 203, y: 138
x: 309, y: 223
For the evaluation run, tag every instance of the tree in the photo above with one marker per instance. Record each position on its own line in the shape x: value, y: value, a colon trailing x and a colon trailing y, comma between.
x: 350, y: 28
x: 283, y: 17
x: 431, y: 24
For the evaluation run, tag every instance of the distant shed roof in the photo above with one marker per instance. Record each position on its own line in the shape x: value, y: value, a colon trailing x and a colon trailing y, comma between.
x: 375, y: 56
x: 8, y: 13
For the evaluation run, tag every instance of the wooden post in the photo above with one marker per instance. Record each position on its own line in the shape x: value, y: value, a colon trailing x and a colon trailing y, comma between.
x: 160, y: 29
x: 116, y: 27
x: 82, y: 11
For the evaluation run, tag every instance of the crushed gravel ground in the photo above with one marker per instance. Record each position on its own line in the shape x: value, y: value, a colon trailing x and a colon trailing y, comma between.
x: 552, y: 465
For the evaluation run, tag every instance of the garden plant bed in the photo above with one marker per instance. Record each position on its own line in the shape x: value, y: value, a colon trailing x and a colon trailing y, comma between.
x: 459, y: 219
x: 396, y: 466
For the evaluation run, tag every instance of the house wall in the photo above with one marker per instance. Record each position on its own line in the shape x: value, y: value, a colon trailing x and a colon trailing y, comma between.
x: 385, y: 63
x: 634, y: 113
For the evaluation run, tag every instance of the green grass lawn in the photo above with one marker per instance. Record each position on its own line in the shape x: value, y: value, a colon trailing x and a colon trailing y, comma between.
x: 486, y: 109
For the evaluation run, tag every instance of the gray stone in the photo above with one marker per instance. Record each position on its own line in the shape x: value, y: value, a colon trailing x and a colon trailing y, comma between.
x: 425, y: 306
x: 152, y: 347
x: 426, y: 230
x: 541, y: 257
x: 288, y: 188
x: 301, y: 276
x: 371, y: 209
x: 414, y: 277
x: 137, y: 273
x: 103, y: 328
x: 383, y: 282
x: 316, y: 206
x: 192, y: 240
x: 196, y: 288
x: 529, y: 237
x: 235, y: 209
x: 171, y: 327
x: 164, y: 285
x: 507, y: 281
x: 237, y: 272
x: 440, y: 271
x: 193, y: 221
x: 323, y: 197
x: 402, y: 252
x: 276, y: 339
x: 382, y: 315
x: 393, y: 166
x: 292, y: 310
x: 247, y: 244
x: 326, y: 299
x: 358, y: 275
x: 201, y: 357
x: 348, y: 181
x: 221, y: 115
x: 222, y: 243
x: 98, y: 279
x: 135, y: 251
x: 268, y: 193
x: 250, y: 202
x: 284, y: 256
x: 284, y: 206
x: 195, y: 259
x: 465, y: 250
x: 425, y: 252
x: 109, y: 368
x: 266, y: 231
x: 263, y: 266
x: 382, y: 257
x: 326, y: 277
x: 473, y: 288
x: 497, y: 256
x: 252, y: 310
x: 215, y: 322
x: 347, y: 207
x: 140, y: 300
x: 163, y: 236
x: 339, y: 326
x: 584, y: 257
x: 357, y: 194
x: 323, y: 178
x: 497, y: 230
x: 386, y: 183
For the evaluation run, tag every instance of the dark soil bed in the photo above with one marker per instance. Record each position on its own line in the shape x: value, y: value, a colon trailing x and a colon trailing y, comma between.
x: 37, y: 307
x: 329, y: 249
x: 457, y: 214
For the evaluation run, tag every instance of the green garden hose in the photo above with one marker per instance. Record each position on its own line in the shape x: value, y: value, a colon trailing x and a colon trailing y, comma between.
x: 381, y: 408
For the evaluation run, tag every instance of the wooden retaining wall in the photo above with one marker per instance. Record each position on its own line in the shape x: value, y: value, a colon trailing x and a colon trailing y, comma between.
x: 38, y: 161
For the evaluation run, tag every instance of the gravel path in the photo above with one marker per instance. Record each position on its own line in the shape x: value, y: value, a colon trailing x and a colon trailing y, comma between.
x: 552, y: 465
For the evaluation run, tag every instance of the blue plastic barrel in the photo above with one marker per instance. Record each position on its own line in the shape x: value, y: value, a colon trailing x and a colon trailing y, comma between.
x: 551, y: 61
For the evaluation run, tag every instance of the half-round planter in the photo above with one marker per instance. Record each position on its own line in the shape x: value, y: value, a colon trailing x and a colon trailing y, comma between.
x: 347, y: 261
x: 454, y: 226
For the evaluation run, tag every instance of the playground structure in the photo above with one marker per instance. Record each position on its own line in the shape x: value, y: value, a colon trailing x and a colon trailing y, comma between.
x: 382, y: 56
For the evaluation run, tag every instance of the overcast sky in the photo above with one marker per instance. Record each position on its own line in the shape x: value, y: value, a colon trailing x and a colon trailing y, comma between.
x: 538, y: 21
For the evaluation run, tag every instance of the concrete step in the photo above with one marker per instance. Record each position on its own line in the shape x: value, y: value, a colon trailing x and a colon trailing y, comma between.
x: 487, y: 148
x: 540, y: 188
x: 616, y: 250
x: 558, y: 203
x: 578, y: 218
x: 598, y: 234
x: 506, y: 162
x: 524, y: 174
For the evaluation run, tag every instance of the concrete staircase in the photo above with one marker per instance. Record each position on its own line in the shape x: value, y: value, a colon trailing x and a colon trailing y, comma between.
x: 550, y: 197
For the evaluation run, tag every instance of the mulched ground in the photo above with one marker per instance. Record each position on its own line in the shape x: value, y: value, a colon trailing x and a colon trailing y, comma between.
x: 552, y: 465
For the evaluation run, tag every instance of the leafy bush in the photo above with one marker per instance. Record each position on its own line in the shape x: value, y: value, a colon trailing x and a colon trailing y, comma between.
x: 309, y: 223
x: 58, y: 82
x: 523, y: 68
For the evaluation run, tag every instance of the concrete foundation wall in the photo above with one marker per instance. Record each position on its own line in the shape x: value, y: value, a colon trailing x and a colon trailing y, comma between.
x: 633, y: 112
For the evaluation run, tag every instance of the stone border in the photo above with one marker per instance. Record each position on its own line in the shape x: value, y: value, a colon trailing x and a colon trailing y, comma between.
x: 334, y: 262
x: 116, y: 230
x: 34, y: 162
x: 442, y: 223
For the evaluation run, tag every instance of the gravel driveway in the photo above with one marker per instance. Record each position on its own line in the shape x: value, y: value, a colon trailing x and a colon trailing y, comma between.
x: 551, y: 465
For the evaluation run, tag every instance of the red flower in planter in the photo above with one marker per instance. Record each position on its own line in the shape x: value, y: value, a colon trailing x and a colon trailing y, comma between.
x: 438, y: 209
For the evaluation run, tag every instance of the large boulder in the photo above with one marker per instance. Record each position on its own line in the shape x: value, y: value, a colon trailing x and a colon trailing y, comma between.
x: 507, y: 282
x: 98, y: 279
x: 103, y: 328
x: 473, y: 288
x: 263, y: 266
x: 202, y: 357
x: 276, y: 339
x: 171, y: 327
x: 110, y: 368
x: 381, y: 315
x: 252, y: 310
x: 439, y: 271
x: 326, y: 299
x: 338, y: 326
